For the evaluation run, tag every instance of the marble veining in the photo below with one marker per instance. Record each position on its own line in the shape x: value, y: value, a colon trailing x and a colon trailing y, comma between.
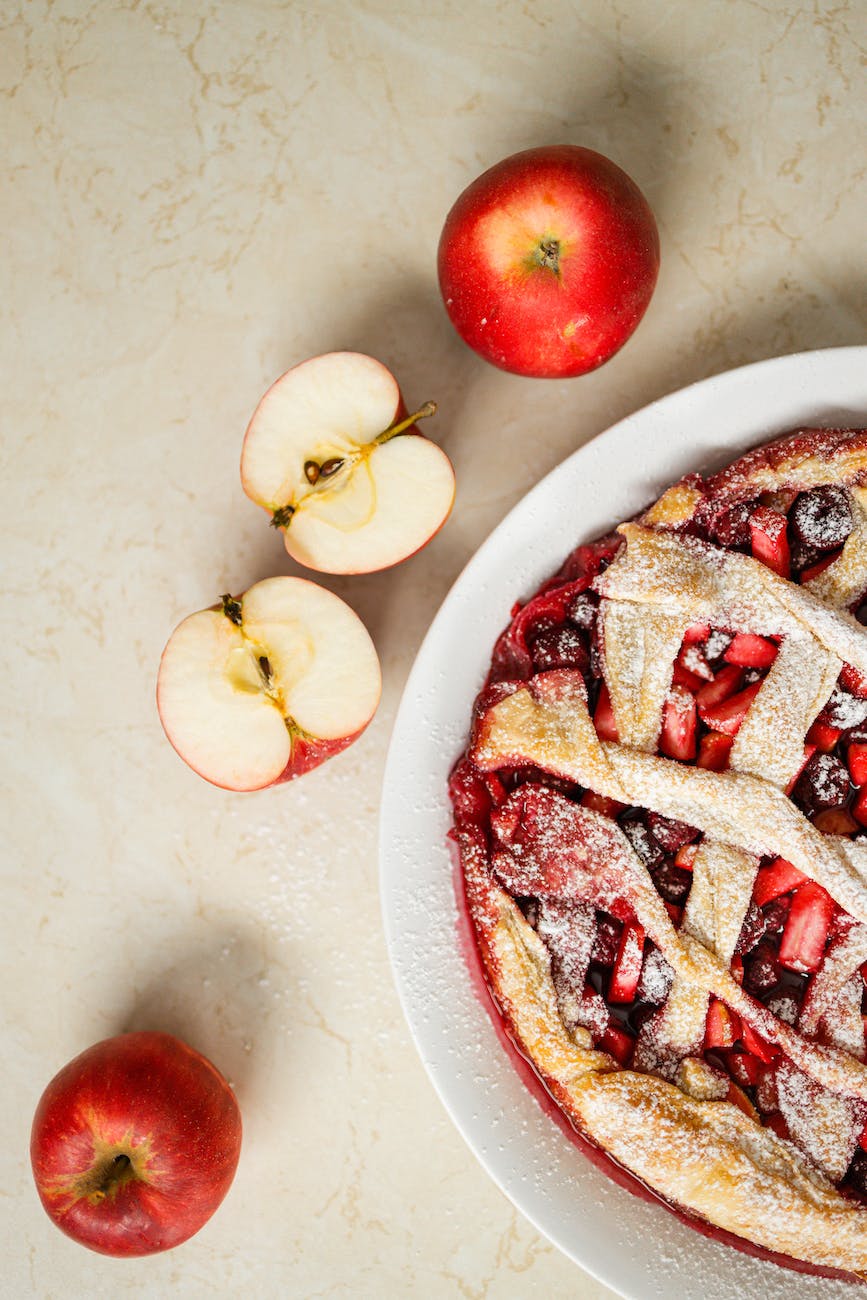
x: 196, y: 196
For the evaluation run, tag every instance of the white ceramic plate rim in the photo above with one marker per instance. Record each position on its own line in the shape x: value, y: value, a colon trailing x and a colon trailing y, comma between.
x: 636, y: 1248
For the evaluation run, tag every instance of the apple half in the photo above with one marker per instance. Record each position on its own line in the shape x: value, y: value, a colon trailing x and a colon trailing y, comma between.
x: 262, y: 688
x: 337, y: 462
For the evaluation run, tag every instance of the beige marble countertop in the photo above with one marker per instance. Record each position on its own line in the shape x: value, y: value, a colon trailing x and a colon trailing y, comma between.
x: 195, y: 197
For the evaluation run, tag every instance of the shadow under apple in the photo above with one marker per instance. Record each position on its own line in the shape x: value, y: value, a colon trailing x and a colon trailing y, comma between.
x: 214, y: 993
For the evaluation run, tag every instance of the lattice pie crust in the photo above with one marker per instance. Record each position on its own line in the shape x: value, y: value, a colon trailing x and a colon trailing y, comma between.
x: 669, y: 1118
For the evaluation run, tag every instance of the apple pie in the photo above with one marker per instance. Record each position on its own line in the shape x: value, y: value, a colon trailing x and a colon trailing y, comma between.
x: 661, y: 818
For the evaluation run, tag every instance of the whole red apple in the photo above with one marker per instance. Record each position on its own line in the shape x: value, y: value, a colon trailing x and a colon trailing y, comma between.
x: 135, y: 1144
x: 548, y: 260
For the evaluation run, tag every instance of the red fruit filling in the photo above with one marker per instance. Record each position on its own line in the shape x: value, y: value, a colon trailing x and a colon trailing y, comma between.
x: 677, y: 737
x: 778, y: 877
x: 856, y: 758
x: 769, y: 541
x: 626, y: 972
x: 723, y: 1026
x: 603, y: 717
x: 606, y: 972
x: 807, y: 928
x: 748, y: 651
x: 824, y: 736
x: 728, y: 716
x: 714, y: 750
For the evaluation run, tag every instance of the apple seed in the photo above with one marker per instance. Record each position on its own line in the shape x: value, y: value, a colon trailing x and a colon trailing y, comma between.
x: 330, y: 467
x: 314, y: 472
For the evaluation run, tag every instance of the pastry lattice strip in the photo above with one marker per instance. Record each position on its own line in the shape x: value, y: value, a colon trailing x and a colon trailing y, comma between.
x: 706, y: 1155
x: 547, y: 724
x: 660, y: 583
x: 599, y: 865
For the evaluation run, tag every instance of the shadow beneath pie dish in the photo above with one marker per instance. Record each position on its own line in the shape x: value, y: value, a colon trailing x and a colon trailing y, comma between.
x: 776, y: 319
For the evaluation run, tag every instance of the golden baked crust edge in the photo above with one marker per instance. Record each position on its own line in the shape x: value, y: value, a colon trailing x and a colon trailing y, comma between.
x: 706, y: 1157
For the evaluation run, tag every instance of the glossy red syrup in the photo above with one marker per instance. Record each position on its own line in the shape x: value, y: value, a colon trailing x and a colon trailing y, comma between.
x: 517, y: 656
x: 534, y: 1083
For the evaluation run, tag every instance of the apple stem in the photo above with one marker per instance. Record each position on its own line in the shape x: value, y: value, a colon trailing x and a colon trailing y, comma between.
x: 422, y: 413
x: 104, y: 1178
x: 548, y: 255
x: 232, y: 609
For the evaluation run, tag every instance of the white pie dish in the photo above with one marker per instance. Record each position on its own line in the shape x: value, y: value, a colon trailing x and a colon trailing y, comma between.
x: 637, y: 1248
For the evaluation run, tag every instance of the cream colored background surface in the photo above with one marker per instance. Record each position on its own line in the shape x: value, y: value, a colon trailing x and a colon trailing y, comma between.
x: 194, y: 198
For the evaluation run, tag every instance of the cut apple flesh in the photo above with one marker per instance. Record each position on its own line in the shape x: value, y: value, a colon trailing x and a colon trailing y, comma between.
x: 248, y: 692
x: 380, y: 511
x: 332, y: 458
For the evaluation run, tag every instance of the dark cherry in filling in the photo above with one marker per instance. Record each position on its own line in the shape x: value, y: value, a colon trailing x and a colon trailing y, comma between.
x: 822, y: 517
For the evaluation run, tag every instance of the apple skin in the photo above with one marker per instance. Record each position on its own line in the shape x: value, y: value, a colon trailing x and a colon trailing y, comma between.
x: 159, y: 1110
x: 501, y: 291
x: 308, y: 753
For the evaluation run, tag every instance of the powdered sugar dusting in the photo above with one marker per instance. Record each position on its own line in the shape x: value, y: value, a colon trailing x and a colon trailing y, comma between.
x: 824, y: 1125
x: 676, y: 1247
x: 842, y: 583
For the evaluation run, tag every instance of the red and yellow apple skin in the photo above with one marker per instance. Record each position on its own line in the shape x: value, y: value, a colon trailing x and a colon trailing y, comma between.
x: 134, y: 1144
x: 548, y: 260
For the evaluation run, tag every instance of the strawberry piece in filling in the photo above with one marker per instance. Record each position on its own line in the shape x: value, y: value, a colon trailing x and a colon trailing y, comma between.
x: 778, y: 877
x: 824, y: 736
x: 859, y: 807
x: 856, y: 759
x: 626, y: 974
x: 723, y: 1026
x: 807, y: 928
x: 677, y: 738
x: 725, y: 684
x: 603, y: 716
x: 714, y: 750
x: 728, y: 716
x: 768, y: 540
x: 618, y: 1043
x: 749, y: 651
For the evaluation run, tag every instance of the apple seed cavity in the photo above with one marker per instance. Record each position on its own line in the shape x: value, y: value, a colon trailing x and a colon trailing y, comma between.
x: 263, y: 686
x: 317, y: 473
x: 240, y: 672
x: 323, y: 457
